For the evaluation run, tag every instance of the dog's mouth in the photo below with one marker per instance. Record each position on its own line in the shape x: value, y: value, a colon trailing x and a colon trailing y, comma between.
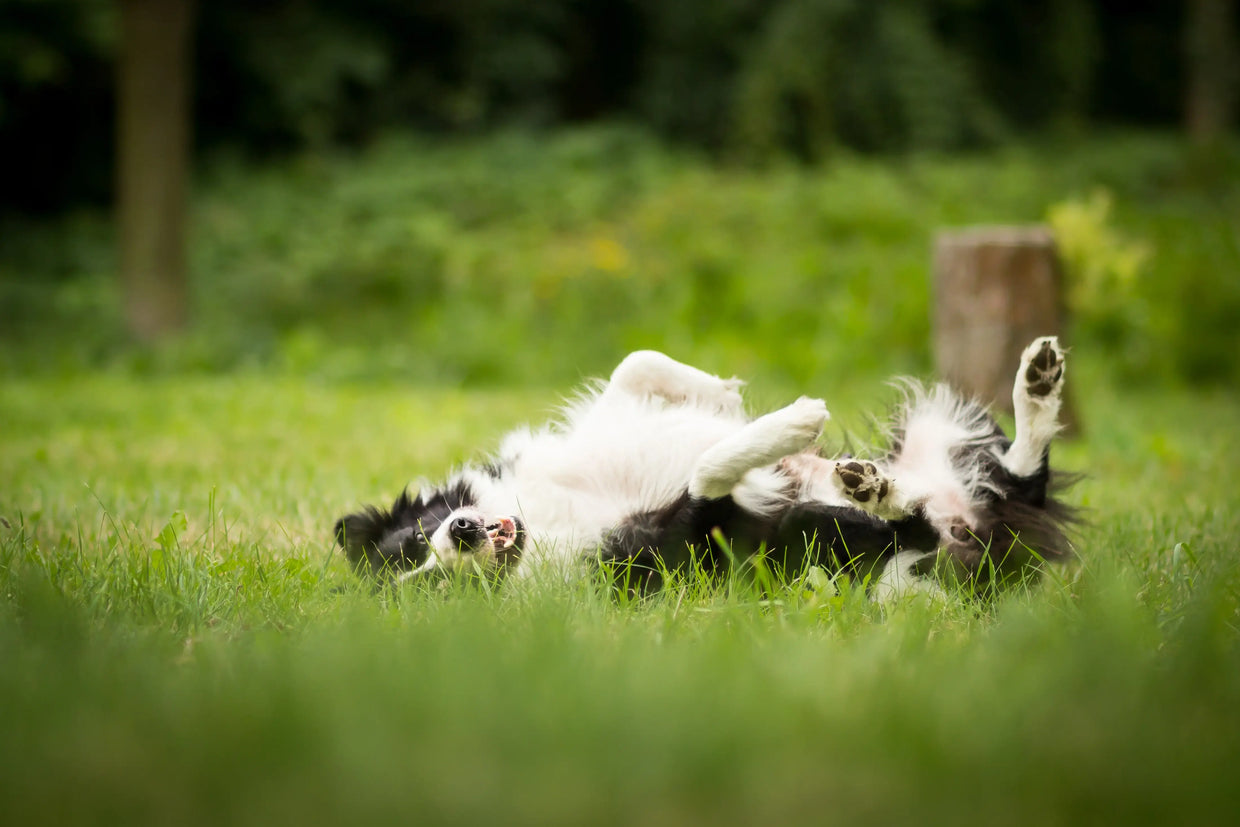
x: 505, y: 533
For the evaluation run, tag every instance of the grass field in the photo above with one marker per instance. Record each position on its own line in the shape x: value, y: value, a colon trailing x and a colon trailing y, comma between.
x: 180, y: 644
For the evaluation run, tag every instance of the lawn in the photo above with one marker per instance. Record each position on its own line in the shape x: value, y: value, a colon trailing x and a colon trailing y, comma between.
x: 181, y: 643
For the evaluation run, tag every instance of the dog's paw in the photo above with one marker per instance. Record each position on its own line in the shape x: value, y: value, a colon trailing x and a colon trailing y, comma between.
x: 1037, y: 395
x: 706, y: 391
x: 790, y: 429
x: 1042, y: 367
x: 863, y: 483
x: 806, y: 417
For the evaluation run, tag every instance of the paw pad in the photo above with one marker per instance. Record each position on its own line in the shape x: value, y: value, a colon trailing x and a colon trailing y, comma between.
x: 1045, y: 369
x: 862, y: 481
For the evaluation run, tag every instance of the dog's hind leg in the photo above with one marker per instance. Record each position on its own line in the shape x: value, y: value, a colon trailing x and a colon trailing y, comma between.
x: 1036, y: 396
x: 900, y: 577
x: 857, y: 483
x: 762, y: 442
x: 650, y: 373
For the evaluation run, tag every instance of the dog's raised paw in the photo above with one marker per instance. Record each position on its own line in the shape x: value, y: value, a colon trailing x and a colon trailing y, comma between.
x: 862, y: 482
x: 811, y: 408
x: 1042, y: 365
x: 792, y: 428
x: 806, y: 416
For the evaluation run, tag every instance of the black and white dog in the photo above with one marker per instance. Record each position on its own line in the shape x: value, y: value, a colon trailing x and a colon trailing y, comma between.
x: 660, y: 467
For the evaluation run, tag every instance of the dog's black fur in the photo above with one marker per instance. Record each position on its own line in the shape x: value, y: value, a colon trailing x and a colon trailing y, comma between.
x: 1015, y: 523
x: 1025, y: 526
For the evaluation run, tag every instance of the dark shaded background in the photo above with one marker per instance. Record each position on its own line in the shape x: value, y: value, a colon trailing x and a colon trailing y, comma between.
x: 740, y: 78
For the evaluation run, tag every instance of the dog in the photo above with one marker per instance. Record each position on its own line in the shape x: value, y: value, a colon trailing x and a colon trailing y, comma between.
x: 659, y: 469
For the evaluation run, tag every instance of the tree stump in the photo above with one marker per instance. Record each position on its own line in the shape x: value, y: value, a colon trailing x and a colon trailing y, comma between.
x: 996, y: 289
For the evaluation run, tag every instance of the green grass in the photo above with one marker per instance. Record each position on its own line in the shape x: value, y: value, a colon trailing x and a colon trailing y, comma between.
x: 180, y: 644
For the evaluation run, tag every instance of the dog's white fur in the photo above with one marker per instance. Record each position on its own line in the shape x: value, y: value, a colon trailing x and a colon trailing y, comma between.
x: 634, y: 444
x: 659, y: 427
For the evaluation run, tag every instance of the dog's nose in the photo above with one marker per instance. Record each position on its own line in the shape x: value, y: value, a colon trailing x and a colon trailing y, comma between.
x: 467, y: 532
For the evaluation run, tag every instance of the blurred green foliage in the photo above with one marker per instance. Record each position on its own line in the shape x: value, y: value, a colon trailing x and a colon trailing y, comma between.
x: 1104, y: 267
x: 534, y: 259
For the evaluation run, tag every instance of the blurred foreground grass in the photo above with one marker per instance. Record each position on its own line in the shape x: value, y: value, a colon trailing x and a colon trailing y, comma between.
x: 180, y: 644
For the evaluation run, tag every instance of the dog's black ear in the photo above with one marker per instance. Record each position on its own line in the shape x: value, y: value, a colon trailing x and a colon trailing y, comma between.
x: 358, y: 534
x: 375, y: 541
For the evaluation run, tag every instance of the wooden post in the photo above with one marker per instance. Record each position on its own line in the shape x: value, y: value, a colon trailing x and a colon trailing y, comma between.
x: 996, y: 289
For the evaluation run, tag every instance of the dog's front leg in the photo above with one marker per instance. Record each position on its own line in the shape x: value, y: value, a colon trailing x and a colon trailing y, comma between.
x: 858, y: 483
x: 762, y: 442
x: 650, y: 373
x: 1036, y: 395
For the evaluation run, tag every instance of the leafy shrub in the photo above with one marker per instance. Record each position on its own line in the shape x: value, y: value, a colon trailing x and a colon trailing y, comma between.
x: 1103, y: 269
x: 531, y: 259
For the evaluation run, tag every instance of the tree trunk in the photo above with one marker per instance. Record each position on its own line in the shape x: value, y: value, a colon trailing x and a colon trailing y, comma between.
x: 996, y: 290
x: 1212, y: 67
x: 153, y: 89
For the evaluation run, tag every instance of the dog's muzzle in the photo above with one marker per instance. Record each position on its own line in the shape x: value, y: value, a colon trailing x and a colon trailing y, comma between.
x: 471, y: 534
x: 468, y: 541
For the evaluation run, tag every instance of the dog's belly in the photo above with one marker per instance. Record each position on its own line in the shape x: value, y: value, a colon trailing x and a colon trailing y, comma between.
x: 572, y: 484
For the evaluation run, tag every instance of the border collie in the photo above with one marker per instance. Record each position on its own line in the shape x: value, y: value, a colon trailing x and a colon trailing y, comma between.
x: 659, y: 468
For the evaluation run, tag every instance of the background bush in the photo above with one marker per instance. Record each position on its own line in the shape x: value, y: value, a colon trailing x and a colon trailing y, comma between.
x: 533, y: 259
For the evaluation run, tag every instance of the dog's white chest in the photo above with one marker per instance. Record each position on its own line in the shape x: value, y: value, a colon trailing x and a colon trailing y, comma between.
x: 608, y: 460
